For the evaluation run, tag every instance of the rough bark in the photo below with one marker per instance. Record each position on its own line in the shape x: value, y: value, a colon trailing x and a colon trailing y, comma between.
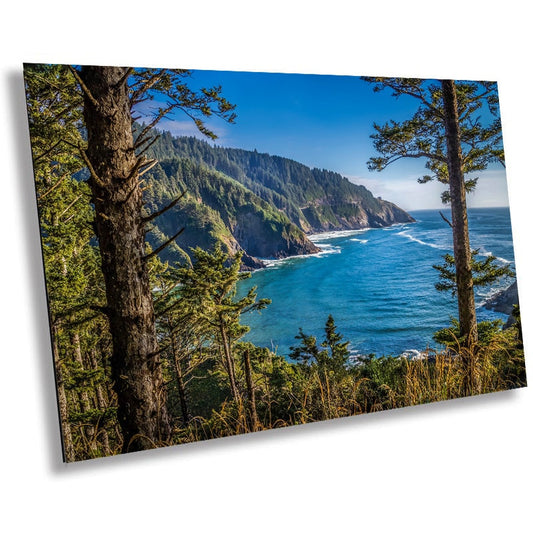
x: 461, y: 240
x: 117, y: 197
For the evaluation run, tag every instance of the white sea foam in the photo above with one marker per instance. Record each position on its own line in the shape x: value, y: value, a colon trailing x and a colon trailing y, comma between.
x: 396, y: 227
x: 424, y: 243
x: 317, y: 237
x: 488, y: 254
x: 325, y: 249
x: 363, y: 241
x: 489, y: 293
x: 413, y: 355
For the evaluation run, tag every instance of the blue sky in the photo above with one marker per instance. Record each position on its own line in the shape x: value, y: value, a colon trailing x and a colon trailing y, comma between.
x: 325, y: 121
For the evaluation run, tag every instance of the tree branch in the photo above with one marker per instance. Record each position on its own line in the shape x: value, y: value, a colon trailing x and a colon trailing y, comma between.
x: 445, y: 219
x: 418, y: 155
x: 151, y: 164
x: 56, y: 184
x: 93, y: 173
x: 125, y: 77
x: 152, y: 141
x: 151, y: 217
x: 46, y: 152
x: 81, y: 307
x: 84, y: 87
x: 163, y: 246
x: 70, y: 205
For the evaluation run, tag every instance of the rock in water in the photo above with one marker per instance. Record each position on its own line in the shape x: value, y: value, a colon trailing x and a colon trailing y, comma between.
x: 504, y: 301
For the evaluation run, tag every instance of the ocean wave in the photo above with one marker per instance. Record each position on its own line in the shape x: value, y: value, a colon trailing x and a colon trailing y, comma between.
x: 363, y: 241
x: 396, y: 227
x: 500, y: 259
x: 424, y: 243
x: 413, y: 355
x: 327, y: 235
x: 325, y: 249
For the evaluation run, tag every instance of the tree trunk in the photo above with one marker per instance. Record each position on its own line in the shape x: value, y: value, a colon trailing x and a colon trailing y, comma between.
x: 117, y: 198
x: 179, y: 380
x: 87, y: 431
x: 229, y: 359
x: 101, y: 404
x: 68, y: 446
x: 251, y: 390
x: 461, y: 240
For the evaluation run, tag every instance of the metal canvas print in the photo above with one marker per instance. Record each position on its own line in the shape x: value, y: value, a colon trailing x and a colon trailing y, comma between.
x: 233, y: 252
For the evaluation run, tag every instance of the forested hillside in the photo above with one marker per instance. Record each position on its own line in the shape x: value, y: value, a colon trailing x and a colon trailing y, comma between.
x: 256, y: 202
x: 147, y: 354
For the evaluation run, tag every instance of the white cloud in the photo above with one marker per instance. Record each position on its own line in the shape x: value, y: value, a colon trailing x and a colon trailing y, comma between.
x: 491, y: 190
x: 148, y: 110
x: 407, y: 193
x: 188, y: 128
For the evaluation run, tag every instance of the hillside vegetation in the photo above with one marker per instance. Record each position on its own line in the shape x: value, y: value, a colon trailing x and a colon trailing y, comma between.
x: 261, y: 204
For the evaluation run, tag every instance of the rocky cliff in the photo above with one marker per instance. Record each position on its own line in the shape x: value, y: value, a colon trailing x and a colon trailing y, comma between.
x: 263, y: 205
x: 504, y: 301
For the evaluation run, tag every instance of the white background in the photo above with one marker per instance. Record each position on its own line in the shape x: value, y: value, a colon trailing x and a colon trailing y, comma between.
x: 460, y: 466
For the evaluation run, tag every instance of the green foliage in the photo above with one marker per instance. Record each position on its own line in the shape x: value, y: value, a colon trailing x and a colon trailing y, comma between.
x: 484, y: 272
x: 330, y: 387
x: 311, y: 199
x: 216, y: 208
x: 199, y: 319
x: 198, y: 311
x: 450, y: 336
x: 171, y: 85
x: 335, y: 355
x: 76, y: 297
x: 210, y: 285
x: 423, y: 136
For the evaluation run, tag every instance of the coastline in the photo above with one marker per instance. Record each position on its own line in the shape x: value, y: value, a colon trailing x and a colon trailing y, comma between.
x: 317, y: 238
x: 380, y: 292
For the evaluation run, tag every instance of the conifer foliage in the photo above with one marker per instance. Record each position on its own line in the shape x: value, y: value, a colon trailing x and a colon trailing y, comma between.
x: 450, y: 131
x: 148, y: 353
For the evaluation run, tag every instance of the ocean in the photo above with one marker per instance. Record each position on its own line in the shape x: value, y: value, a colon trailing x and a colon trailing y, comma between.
x: 378, y: 284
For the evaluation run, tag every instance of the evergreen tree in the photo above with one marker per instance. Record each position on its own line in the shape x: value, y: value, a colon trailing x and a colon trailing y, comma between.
x: 448, y: 132
x: 209, y: 289
x: 72, y: 264
x: 116, y: 163
x: 183, y: 340
x: 99, y: 101
x: 484, y: 272
x: 329, y: 366
x: 334, y: 357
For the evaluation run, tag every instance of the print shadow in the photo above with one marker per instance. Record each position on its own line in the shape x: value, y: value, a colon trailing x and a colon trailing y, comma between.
x: 34, y: 273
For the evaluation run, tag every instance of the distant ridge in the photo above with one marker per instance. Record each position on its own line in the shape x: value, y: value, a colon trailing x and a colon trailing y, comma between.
x: 261, y: 204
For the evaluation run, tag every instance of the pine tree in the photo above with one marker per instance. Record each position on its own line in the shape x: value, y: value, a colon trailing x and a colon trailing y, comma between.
x: 73, y: 277
x: 209, y: 289
x: 448, y: 132
x: 116, y: 163
x: 329, y: 366
x: 183, y: 340
x: 99, y: 102
x: 484, y: 272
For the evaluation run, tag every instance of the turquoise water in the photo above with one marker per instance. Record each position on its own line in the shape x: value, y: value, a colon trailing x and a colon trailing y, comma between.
x: 378, y: 284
